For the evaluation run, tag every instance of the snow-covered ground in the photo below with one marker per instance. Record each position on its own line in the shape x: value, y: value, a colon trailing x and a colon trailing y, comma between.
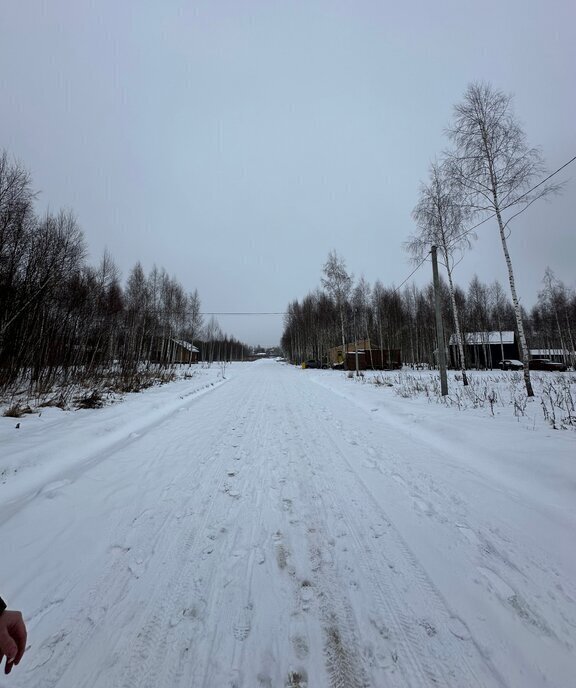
x: 287, y: 527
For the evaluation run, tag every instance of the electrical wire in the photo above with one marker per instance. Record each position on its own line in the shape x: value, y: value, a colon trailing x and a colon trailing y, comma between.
x: 478, y: 224
x: 421, y: 263
x: 509, y: 205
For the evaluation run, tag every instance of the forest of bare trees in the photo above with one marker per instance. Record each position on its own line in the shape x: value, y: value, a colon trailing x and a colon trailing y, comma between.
x: 404, y: 319
x: 489, y: 174
x: 64, y: 322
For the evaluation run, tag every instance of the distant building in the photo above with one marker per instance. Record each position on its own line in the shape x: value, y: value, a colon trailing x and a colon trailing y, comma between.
x: 184, y: 352
x: 174, y: 351
x: 558, y: 355
x: 484, y: 349
x: 369, y: 357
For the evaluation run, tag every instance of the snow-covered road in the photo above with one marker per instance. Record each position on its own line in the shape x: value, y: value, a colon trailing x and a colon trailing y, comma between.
x: 273, y: 533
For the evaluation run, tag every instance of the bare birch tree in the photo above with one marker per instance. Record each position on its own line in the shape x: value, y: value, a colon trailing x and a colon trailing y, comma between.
x: 338, y: 284
x: 440, y: 215
x: 499, y: 311
x: 495, y: 167
x: 194, y: 319
x: 554, y: 299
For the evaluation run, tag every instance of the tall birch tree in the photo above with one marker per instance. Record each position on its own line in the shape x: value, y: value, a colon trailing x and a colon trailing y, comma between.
x: 495, y: 168
x: 440, y: 215
x: 338, y: 284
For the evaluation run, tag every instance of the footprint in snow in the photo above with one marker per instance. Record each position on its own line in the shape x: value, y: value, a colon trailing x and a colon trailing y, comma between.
x: 243, y: 623
x: 123, y: 549
x: 428, y: 627
x: 469, y: 534
x: 136, y: 567
x: 306, y: 594
x: 192, y: 613
x: 518, y: 604
x: 52, y: 489
x: 297, y: 679
x: 46, y: 650
x: 458, y: 628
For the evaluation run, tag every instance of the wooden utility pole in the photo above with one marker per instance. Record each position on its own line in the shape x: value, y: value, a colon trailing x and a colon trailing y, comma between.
x: 356, y: 344
x: 439, y: 327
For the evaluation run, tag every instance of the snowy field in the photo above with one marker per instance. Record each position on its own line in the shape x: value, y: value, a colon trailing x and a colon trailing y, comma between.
x: 282, y: 527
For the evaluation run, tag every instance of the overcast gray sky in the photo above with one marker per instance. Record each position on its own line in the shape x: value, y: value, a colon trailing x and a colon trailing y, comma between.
x: 235, y: 143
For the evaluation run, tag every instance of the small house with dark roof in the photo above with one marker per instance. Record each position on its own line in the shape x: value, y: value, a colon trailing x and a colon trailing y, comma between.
x: 168, y: 351
x: 484, y: 349
x: 367, y: 357
x: 183, y: 352
x: 554, y: 354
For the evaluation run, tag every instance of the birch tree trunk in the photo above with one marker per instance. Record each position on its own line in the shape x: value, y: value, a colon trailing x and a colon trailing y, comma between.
x: 458, y: 331
x: 519, y: 324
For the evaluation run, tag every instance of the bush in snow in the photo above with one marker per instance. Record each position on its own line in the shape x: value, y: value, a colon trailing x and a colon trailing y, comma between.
x: 493, y: 391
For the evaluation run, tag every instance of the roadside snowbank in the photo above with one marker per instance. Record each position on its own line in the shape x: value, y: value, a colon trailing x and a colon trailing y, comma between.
x: 291, y: 528
x: 39, y: 446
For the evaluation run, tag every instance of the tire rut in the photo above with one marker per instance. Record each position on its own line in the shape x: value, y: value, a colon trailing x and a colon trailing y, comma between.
x: 424, y: 659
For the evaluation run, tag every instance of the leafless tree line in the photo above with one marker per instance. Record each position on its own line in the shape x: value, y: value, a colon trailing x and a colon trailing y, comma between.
x: 405, y: 320
x: 488, y: 174
x: 64, y: 321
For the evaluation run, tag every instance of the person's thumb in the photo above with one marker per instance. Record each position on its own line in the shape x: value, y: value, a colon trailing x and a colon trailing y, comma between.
x: 7, y: 645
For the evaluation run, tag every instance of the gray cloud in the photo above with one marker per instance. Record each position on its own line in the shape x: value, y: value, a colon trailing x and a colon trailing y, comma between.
x: 235, y: 144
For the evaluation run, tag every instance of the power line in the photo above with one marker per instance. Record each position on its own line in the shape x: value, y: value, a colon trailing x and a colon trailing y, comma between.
x: 509, y: 205
x: 543, y: 181
x: 421, y: 263
x: 478, y: 224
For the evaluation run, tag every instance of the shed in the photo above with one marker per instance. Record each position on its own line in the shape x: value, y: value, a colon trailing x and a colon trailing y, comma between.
x: 182, y: 351
x: 484, y: 349
x: 369, y: 357
x: 169, y: 350
x: 557, y: 355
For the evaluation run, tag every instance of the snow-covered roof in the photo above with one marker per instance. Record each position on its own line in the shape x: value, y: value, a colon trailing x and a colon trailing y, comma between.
x: 505, y: 337
x: 548, y: 352
x: 186, y: 345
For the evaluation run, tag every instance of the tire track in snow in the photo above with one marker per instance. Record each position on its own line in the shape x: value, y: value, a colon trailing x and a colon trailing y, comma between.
x: 424, y: 658
x: 195, y: 561
x: 116, y: 587
x: 320, y: 603
x: 343, y: 602
x: 494, y: 547
x: 113, y: 440
x: 230, y: 656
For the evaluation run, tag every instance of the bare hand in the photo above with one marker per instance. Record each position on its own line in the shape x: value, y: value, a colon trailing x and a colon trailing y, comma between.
x: 12, y: 638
